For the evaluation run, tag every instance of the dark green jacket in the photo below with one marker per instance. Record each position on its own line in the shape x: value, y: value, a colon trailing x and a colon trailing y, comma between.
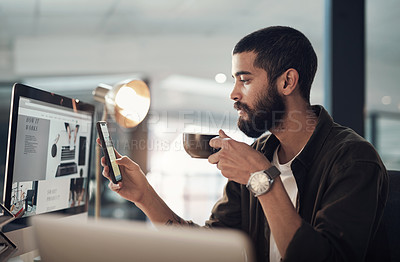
x: 342, y: 190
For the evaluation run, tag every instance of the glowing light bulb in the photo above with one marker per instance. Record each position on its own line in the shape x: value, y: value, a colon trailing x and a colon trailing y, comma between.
x: 132, y: 105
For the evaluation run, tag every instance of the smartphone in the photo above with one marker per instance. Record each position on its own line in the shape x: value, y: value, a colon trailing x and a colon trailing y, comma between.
x: 108, y: 150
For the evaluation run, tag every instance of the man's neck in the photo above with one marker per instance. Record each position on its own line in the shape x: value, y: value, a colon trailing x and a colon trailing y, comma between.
x: 294, y: 132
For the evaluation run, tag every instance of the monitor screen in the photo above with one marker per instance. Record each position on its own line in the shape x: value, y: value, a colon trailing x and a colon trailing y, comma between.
x: 48, y: 155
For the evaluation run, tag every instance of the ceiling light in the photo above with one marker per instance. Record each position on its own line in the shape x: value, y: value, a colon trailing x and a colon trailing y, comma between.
x: 220, y: 78
x: 386, y: 100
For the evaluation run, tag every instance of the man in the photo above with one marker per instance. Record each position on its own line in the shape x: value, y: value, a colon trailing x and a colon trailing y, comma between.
x: 312, y: 190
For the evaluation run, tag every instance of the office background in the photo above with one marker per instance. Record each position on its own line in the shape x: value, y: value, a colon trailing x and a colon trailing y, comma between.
x: 183, y: 49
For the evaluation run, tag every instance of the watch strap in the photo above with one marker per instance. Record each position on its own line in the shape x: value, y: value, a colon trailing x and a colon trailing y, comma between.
x: 272, y: 172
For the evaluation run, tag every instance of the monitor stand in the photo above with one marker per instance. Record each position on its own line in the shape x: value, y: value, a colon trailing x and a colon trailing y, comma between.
x: 24, y: 240
x: 7, y: 248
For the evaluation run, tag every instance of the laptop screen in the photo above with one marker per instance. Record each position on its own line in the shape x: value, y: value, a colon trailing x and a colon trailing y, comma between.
x: 48, y: 153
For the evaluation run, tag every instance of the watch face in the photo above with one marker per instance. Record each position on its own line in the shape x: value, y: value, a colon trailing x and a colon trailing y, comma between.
x: 259, y: 183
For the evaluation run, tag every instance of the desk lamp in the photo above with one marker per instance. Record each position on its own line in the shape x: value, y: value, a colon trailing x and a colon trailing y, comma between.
x: 128, y: 102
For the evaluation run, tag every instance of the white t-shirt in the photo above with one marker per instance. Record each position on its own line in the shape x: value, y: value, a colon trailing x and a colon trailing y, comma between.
x: 290, y: 185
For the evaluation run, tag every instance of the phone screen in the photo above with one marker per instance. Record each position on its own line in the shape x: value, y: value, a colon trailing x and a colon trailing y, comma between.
x: 110, y: 150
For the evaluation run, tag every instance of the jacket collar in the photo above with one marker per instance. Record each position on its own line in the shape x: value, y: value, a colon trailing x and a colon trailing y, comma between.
x: 314, y: 144
x: 318, y: 138
x: 302, y: 164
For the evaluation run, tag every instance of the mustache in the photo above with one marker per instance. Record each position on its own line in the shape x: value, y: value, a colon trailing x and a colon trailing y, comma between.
x: 241, y: 106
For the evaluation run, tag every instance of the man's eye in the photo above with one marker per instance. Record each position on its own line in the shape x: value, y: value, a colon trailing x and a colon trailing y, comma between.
x: 244, y: 80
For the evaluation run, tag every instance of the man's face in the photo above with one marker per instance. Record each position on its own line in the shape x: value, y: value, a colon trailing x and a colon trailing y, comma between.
x: 260, y: 106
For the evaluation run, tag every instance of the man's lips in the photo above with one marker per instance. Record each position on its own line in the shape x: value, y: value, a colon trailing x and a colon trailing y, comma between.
x: 241, y: 109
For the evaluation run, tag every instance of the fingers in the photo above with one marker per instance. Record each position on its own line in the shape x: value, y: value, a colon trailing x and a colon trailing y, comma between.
x: 114, y: 187
x: 98, y: 141
x: 106, y: 173
x: 217, y: 142
x: 106, y: 169
x: 123, y: 161
x: 214, y: 158
x: 126, y: 162
x: 222, y: 134
x: 222, y: 142
x: 117, y: 154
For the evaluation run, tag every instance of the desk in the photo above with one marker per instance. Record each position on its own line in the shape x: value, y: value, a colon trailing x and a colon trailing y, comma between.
x: 25, y: 241
x: 27, y: 257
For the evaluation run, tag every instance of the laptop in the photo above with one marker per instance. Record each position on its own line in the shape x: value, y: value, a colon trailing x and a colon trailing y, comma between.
x: 105, y: 240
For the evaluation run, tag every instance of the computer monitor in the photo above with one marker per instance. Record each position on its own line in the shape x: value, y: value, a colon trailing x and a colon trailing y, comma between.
x: 48, y: 155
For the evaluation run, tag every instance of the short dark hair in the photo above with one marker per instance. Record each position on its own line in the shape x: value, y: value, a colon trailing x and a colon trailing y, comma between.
x: 279, y: 48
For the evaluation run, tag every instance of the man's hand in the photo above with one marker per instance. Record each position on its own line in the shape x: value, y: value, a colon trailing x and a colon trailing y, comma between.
x: 236, y: 160
x: 134, y: 184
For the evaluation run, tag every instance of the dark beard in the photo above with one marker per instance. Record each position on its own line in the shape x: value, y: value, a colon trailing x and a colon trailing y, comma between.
x: 268, y: 113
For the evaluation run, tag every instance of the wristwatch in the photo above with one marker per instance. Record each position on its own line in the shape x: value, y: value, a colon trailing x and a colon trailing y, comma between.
x: 260, y: 182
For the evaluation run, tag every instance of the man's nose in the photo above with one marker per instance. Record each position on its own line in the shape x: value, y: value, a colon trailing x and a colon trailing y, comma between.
x: 236, y: 95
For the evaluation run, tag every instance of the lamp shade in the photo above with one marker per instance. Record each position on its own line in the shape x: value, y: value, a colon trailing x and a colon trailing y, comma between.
x: 128, y: 102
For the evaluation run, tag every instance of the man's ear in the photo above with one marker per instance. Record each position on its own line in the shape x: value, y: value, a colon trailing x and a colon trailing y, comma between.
x: 289, y: 80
